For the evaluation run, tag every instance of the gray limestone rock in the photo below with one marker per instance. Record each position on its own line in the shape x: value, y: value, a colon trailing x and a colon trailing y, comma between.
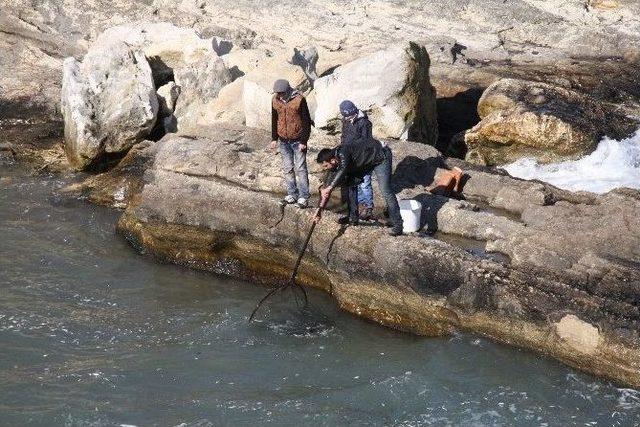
x: 392, y: 85
x: 200, y: 83
x: 109, y: 103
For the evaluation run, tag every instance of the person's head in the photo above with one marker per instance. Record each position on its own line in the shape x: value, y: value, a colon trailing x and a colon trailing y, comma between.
x: 327, y: 158
x: 348, y: 109
x: 281, y: 88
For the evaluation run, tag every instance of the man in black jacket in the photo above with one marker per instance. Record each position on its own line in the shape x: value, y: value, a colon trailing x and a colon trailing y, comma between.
x: 357, y: 127
x: 353, y: 161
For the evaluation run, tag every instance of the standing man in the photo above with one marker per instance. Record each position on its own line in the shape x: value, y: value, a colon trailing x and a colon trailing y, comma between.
x: 290, y: 131
x: 353, y: 161
x: 356, y: 127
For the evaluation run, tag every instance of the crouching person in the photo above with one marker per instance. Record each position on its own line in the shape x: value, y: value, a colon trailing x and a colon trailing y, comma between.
x: 290, y: 131
x: 350, y: 163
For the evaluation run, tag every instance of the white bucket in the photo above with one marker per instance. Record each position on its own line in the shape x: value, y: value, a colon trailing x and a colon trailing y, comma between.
x: 410, y: 211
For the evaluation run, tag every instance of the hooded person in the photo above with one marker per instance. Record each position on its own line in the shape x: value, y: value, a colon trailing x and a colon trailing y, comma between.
x: 290, y: 131
x: 357, y: 127
x: 355, y: 123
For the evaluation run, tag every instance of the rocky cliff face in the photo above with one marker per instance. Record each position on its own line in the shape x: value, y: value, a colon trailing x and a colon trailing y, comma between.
x: 472, y: 43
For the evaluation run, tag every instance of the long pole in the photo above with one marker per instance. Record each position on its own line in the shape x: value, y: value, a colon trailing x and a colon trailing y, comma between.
x: 294, y: 273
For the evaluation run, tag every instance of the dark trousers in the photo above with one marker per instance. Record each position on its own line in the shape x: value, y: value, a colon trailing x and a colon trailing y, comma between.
x: 383, y: 175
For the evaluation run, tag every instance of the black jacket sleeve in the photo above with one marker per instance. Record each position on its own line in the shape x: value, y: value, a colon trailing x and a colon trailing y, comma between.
x: 274, y: 124
x: 305, y: 117
x: 343, y: 133
x: 343, y: 166
x: 366, y: 129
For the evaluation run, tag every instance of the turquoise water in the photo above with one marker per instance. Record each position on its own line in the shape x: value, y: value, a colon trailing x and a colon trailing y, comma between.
x: 93, y: 333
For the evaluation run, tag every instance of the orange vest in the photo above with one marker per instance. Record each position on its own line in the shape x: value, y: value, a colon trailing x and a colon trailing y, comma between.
x: 290, y: 124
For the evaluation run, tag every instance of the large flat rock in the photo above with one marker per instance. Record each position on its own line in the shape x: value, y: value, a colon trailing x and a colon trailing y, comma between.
x: 211, y: 203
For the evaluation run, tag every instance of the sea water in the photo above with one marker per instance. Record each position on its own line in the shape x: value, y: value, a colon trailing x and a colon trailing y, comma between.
x: 93, y: 333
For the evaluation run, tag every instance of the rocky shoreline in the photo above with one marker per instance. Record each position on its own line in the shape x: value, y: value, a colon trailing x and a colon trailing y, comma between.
x: 580, y: 307
x: 553, y: 271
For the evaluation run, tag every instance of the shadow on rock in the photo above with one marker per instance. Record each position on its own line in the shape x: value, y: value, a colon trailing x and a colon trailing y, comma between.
x: 431, y: 204
x: 456, y: 114
x: 413, y: 171
x: 333, y: 241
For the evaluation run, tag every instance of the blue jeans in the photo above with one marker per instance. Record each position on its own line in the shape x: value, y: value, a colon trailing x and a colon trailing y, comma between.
x: 365, y: 192
x: 383, y: 175
x: 294, y: 167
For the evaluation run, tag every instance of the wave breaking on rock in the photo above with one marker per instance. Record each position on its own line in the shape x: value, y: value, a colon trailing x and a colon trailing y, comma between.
x: 612, y: 165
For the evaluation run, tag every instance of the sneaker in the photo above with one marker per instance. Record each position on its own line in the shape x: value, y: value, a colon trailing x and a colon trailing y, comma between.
x: 344, y: 220
x: 302, y: 203
x: 395, y: 231
x: 288, y: 200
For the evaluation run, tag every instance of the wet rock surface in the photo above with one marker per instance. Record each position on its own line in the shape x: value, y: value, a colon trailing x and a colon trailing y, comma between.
x: 117, y: 186
x: 37, y: 143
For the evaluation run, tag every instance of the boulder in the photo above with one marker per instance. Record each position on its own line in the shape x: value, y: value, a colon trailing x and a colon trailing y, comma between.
x: 532, y: 119
x: 166, y: 46
x: 109, y: 103
x: 392, y: 85
x: 171, y: 53
x: 258, y: 89
x: 227, y: 107
x: 200, y: 83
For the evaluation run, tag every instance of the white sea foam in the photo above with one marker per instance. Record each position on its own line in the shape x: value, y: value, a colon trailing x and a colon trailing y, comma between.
x: 629, y: 398
x: 613, y: 164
